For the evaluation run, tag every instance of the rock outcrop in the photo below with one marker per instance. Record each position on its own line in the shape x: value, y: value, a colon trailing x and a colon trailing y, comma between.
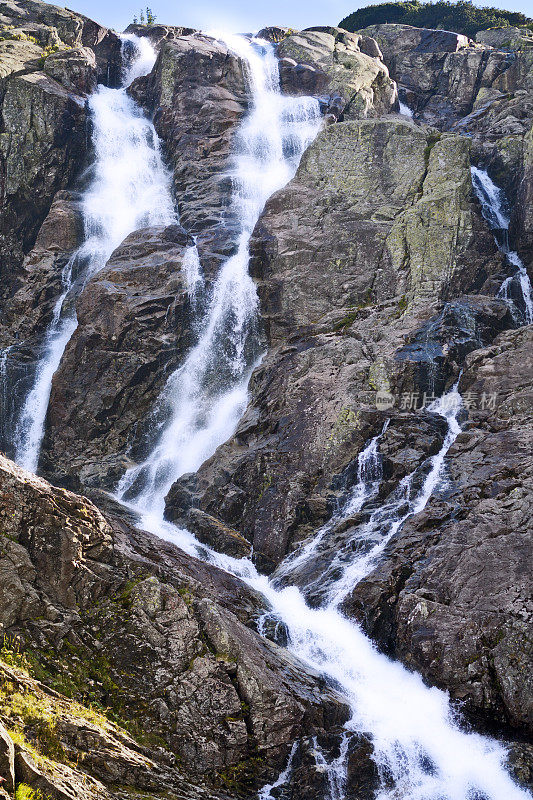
x: 134, y: 326
x: 107, y: 615
x: 50, y: 59
x: 197, y: 95
x: 345, y: 68
x: 351, y: 259
x: 452, y: 595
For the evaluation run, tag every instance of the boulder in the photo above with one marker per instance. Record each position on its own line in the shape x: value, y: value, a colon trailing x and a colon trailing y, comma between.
x: 335, y: 63
x: 75, y: 69
x: 157, y: 34
x: 30, y: 310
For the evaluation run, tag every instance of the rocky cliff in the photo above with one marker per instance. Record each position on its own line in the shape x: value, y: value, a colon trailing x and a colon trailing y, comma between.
x: 131, y: 669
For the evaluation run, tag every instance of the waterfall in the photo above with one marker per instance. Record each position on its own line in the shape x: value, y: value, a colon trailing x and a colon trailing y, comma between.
x: 387, y: 520
x: 405, y: 110
x: 420, y: 750
x: 493, y: 209
x: 369, y: 475
x: 419, y: 747
x: 128, y: 189
x: 205, y: 398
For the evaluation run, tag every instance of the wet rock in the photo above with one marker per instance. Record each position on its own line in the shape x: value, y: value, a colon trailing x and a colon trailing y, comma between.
x: 134, y: 325
x: 310, y: 779
x: 130, y: 622
x: 50, y: 58
x: 351, y: 258
x: 212, y: 532
x: 42, y: 146
x: 520, y: 763
x: 197, y: 94
x: 433, y: 352
x: 450, y: 597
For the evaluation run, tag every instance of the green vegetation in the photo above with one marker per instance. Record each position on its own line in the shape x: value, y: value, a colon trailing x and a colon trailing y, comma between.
x: 25, y: 792
x: 461, y: 17
x: 146, y: 17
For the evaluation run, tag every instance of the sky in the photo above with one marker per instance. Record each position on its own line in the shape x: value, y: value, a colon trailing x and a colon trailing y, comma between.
x: 240, y: 15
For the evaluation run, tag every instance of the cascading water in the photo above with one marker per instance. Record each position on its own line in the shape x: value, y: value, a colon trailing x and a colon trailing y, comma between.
x: 419, y: 748
x: 205, y: 398
x: 493, y: 209
x: 368, y: 479
x: 387, y: 520
x: 128, y: 189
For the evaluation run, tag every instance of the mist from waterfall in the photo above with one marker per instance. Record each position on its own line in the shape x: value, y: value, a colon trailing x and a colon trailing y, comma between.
x: 128, y: 189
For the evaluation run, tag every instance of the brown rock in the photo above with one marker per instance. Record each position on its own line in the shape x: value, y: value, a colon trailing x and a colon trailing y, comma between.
x: 198, y: 95
x: 131, y: 623
x: 7, y: 762
x: 133, y: 329
x: 451, y: 595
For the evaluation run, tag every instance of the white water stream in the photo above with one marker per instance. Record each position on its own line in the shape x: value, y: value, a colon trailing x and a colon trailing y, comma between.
x: 493, y: 209
x: 129, y: 188
x: 419, y: 748
x: 205, y: 398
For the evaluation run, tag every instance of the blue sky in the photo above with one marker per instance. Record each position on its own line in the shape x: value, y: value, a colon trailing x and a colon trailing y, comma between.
x: 238, y: 15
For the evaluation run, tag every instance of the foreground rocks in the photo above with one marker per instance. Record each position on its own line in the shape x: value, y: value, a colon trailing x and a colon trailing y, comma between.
x: 107, y: 615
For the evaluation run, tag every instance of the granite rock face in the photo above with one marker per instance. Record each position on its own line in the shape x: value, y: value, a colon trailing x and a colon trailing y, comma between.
x: 197, y: 95
x: 131, y: 623
x: 483, y: 90
x: 134, y: 325
x: 351, y: 259
x: 452, y: 595
x: 345, y: 68
x: 50, y: 59
x: 440, y: 73
x: 377, y: 277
